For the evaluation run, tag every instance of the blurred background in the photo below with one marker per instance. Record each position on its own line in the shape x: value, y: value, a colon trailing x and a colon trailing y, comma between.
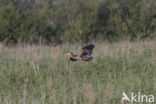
x: 59, y: 21
x: 36, y: 70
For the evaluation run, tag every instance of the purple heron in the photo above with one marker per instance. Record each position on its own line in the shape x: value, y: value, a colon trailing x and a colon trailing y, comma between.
x: 85, y: 55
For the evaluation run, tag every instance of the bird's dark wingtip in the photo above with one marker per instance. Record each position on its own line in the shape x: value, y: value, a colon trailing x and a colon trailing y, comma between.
x: 89, y: 47
x: 92, y: 46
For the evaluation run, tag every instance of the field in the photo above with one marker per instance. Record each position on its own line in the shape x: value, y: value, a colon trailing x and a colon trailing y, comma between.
x: 44, y: 75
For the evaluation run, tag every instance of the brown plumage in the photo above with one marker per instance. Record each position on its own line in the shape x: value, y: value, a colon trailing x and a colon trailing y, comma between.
x: 85, y: 55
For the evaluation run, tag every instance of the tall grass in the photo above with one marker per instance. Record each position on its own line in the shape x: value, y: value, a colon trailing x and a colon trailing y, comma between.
x: 44, y: 75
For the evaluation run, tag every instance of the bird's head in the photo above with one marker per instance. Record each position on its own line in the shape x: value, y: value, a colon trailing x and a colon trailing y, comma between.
x: 69, y: 53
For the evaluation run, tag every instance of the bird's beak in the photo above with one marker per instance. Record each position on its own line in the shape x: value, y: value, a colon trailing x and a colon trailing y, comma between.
x: 67, y: 53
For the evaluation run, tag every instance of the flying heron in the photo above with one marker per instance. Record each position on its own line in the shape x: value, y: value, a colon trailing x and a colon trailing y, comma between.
x: 85, y: 55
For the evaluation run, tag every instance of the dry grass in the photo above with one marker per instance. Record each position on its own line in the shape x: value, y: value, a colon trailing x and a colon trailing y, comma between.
x: 43, y: 75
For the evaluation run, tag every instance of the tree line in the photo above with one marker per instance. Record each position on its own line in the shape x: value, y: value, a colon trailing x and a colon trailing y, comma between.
x: 58, y: 21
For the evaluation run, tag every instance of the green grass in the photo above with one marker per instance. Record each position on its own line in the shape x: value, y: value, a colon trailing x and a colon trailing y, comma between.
x: 43, y: 74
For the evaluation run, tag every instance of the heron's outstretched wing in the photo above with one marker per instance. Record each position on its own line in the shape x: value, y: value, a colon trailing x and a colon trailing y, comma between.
x: 85, y: 58
x: 87, y: 50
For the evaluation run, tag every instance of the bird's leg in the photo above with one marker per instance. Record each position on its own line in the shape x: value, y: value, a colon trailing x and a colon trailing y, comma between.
x: 94, y: 69
x: 94, y: 65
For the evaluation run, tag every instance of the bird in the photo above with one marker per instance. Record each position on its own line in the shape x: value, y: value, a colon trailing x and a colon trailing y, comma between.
x: 85, y: 55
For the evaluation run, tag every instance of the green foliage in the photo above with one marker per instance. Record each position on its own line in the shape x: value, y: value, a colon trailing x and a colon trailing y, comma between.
x: 56, y: 21
x: 9, y: 24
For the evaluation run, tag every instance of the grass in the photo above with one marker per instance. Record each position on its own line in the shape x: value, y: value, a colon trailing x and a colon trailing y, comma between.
x: 43, y: 74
